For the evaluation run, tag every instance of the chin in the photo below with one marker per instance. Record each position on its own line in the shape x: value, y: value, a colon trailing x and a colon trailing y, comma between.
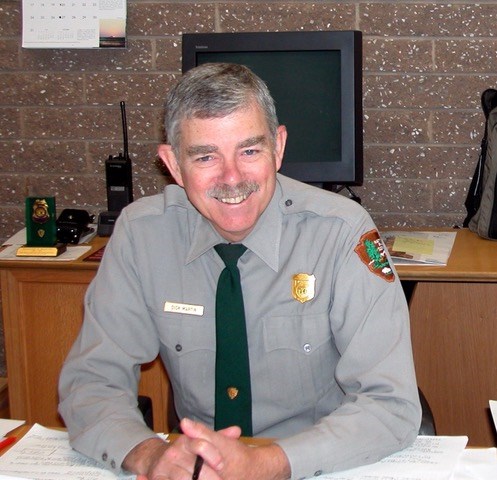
x: 234, y: 231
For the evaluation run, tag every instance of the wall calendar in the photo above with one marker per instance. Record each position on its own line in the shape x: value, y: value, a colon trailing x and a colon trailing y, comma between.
x: 74, y: 24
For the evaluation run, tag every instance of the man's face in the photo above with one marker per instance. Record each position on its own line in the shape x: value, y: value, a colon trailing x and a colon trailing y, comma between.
x: 228, y: 167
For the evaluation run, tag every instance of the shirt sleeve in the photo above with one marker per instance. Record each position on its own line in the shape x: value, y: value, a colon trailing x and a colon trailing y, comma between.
x: 99, y: 379
x: 380, y: 412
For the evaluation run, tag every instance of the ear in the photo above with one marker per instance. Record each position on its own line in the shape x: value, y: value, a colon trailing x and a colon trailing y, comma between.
x: 279, y: 148
x: 169, y: 159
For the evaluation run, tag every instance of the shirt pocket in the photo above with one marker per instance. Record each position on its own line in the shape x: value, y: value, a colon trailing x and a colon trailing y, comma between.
x: 188, y: 350
x: 300, y: 359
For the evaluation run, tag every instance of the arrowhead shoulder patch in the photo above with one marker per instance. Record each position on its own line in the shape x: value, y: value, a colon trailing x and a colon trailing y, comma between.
x: 372, y: 253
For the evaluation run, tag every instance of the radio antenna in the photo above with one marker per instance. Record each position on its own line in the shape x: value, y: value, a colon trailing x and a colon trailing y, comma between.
x: 119, y: 182
x: 125, y: 130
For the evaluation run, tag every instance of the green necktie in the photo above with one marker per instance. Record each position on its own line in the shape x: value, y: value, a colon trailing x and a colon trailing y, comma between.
x: 233, y: 394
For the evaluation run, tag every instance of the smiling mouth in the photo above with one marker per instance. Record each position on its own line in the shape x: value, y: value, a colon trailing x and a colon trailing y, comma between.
x: 234, y: 200
x: 233, y: 195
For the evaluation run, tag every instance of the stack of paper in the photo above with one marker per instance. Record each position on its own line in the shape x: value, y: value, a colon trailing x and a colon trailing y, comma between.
x: 419, y: 248
x: 45, y: 454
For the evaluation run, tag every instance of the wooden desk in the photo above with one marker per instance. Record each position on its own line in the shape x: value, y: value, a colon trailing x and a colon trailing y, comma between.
x: 42, y: 313
x: 453, y: 319
x: 454, y: 335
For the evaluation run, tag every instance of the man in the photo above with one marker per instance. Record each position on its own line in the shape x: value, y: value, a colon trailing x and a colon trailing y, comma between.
x: 331, y: 368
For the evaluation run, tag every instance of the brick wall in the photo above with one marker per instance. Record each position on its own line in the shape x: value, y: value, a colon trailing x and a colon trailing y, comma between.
x: 425, y: 66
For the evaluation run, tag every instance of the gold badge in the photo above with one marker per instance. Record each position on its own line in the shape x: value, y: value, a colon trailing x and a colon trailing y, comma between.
x: 303, y: 287
x: 232, y: 392
x: 40, y: 213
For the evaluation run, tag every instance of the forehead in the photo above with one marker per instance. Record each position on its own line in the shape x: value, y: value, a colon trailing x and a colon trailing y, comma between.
x: 249, y: 117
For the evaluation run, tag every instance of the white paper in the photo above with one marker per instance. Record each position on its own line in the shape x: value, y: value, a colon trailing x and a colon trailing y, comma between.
x: 477, y: 464
x: 45, y: 454
x: 19, y: 238
x: 73, y: 24
x: 428, y: 458
x: 493, y: 409
x: 7, y: 425
x: 8, y: 477
x: 419, y: 247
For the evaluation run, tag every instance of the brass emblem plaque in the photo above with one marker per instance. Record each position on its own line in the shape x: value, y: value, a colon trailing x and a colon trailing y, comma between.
x: 41, y: 230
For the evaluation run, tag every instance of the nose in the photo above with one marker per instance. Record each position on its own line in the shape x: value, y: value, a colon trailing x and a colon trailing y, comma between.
x: 231, y: 173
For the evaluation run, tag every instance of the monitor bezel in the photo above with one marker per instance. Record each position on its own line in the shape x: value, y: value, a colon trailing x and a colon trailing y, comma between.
x: 347, y: 171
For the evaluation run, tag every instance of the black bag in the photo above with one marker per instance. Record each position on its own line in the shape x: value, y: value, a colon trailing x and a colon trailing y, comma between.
x: 481, y: 201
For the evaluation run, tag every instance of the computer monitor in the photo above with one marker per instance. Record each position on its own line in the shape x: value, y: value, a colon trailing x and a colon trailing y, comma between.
x: 316, y: 81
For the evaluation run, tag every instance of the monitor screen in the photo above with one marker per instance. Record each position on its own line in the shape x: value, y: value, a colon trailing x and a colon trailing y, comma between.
x: 315, y: 79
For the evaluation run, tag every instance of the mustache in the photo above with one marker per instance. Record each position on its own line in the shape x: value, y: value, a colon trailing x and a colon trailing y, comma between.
x: 244, y: 188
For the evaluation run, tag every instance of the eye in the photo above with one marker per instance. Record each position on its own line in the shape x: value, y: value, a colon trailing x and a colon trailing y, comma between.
x: 204, y: 158
x: 250, y: 152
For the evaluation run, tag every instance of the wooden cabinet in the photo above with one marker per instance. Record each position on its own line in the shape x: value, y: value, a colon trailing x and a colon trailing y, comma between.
x: 454, y: 336
x: 42, y: 313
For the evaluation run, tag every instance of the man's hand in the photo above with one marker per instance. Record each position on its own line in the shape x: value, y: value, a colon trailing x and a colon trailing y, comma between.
x: 239, y: 461
x: 225, y: 457
x: 155, y: 459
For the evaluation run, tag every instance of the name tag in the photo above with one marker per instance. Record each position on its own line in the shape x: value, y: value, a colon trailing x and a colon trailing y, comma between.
x: 184, y: 308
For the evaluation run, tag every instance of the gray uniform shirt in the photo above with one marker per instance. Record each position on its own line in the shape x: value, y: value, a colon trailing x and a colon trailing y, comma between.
x: 332, y: 375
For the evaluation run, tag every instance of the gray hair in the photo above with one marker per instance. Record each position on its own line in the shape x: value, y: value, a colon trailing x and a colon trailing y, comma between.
x: 214, y: 90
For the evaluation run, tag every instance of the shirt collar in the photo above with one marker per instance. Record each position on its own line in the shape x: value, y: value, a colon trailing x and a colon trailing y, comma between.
x: 204, y: 237
x: 264, y: 240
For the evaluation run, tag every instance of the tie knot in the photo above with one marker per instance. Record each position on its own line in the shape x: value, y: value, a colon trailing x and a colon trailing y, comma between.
x: 230, y: 252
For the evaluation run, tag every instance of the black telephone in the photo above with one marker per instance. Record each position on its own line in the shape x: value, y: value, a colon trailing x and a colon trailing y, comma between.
x: 72, y: 223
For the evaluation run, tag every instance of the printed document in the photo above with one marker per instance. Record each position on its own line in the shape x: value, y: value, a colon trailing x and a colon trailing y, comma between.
x: 45, y: 454
x: 428, y: 457
x: 419, y: 248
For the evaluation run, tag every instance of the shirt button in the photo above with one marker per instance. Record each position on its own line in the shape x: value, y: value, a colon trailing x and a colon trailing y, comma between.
x: 178, y: 347
x: 307, y: 348
x: 288, y: 203
x: 104, y: 457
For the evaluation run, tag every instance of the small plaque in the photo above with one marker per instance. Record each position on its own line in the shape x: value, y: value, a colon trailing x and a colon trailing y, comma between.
x: 41, y: 229
x: 30, y: 251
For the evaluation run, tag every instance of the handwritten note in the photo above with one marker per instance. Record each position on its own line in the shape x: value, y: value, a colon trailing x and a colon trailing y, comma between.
x: 428, y: 458
x: 45, y: 454
x: 419, y: 247
x: 422, y: 246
